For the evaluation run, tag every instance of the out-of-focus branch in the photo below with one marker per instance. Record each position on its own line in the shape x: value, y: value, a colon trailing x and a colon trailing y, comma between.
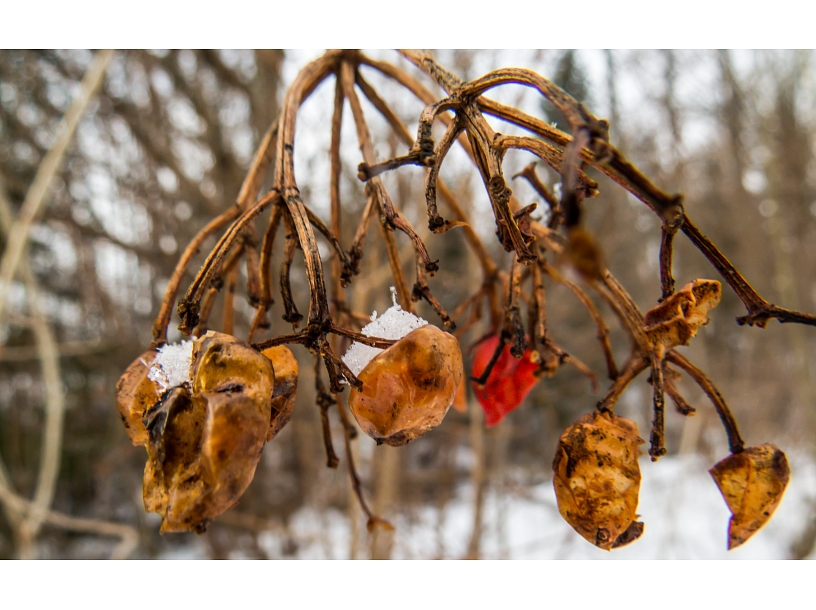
x: 128, y: 535
x: 67, y: 349
x: 37, y: 194
x: 48, y: 353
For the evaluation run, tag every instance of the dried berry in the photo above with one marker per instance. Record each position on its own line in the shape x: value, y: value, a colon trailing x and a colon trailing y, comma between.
x: 752, y: 483
x: 677, y: 319
x: 408, y: 388
x: 584, y: 254
x: 508, y: 383
x: 460, y: 398
x: 597, y: 479
x: 135, y: 394
x: 286, y: 379
x: 205, y: 437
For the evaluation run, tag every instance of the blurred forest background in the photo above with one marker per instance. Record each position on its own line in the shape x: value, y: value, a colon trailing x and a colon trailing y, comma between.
x: 163, y: 147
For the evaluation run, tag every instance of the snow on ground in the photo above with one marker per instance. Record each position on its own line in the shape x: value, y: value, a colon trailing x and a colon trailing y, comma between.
x: 685, y: 517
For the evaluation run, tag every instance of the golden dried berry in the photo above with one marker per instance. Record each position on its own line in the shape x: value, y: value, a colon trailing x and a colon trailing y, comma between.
x: 677, y: 319
x: 752, y: 483
x: 584, y: 254
x: 286, y: 380
x: 460, y: 398
x: 597, y: 479
x: 205, y: 438
x: 408, y: 388
x: 135, y: 394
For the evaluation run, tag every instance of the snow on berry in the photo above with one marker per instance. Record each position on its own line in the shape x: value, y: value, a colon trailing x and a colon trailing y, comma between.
x: 171, y: 367
x: 394, y: 324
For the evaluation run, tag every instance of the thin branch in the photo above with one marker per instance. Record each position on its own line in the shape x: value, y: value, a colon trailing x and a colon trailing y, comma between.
x: 324, y: 402
x: 529, y: 174
x: 632, y: 369
x: 735, y: 442
x: 166, y: 309
x: 657, y: 437
x: 348, y: 434
x: 603, y: 329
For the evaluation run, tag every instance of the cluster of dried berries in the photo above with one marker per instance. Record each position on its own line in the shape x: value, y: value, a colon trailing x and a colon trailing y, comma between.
x: 204, y: 436
x: 596, y: 472
x: 204, y: 423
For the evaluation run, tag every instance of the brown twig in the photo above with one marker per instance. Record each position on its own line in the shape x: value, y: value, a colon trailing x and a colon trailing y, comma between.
x: 631, y: 369
x: 421, y: 290
x: 228, y: 318
x: 619, y: 169
x: 348, y: 434
x: 735, y: 442
x: 267, y: 247
x: 291, y: 315
x: 188, y: 307
x: 216, y: 284
x: 683, y: 407
x: 166, y: 309
x: 324, y: 402
x: 338, y: 264
x: 657, y: 439
x: 759, y: 310
x: 603, y: 329
x: 396, y: 267
x: 401, y: 130
x: 392, y: 217
x: 529, y: 174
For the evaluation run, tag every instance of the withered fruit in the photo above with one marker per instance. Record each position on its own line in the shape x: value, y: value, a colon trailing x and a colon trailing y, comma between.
x: 205, y: 438
x: 597, y: 479
x: 677, y: 319
x: 584, y: 254
x: 286, y: 380
x: 752, y: 483
x: 135, y: 394
x: 409, y: 387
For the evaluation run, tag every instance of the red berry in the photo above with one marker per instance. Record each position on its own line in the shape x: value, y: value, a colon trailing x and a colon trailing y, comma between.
x: 508, y: 383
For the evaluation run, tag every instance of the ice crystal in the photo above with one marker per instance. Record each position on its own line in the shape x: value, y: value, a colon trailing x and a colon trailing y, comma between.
x: 171, y: 367
x: 395, y: 323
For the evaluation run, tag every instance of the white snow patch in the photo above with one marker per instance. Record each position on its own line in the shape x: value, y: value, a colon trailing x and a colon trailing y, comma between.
x: 395, y: 323
x: 171, y: 367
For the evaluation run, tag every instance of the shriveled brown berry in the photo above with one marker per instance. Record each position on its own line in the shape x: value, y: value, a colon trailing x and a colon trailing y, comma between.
x: 677, y: 319
x: 597, y: 479
x: 584, y: 253
x: 286, y: 380
x: 409, y: 387
x: 752, y: 483
x: 460, y: 398
x: 135, y: 394
x: 205, y: 439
